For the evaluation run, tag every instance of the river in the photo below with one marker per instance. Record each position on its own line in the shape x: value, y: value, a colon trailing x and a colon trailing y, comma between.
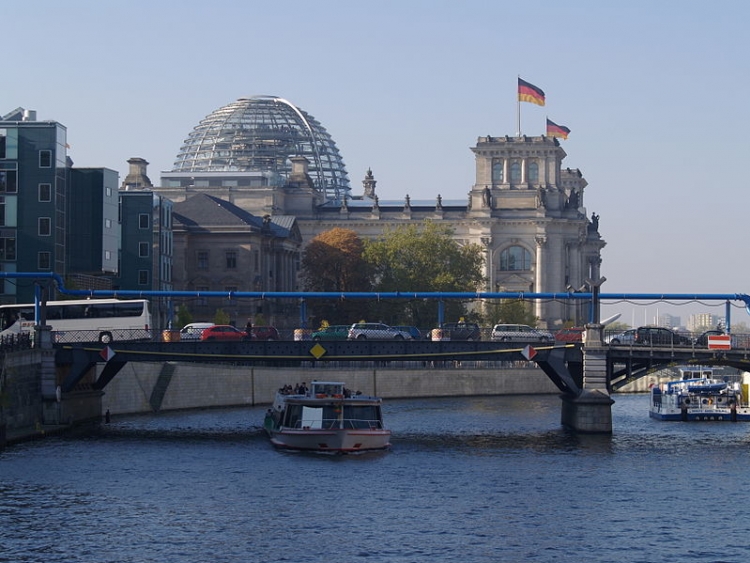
x: 467, y: 480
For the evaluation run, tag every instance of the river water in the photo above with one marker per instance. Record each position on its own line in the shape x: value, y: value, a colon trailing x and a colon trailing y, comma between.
x: 467, y: 480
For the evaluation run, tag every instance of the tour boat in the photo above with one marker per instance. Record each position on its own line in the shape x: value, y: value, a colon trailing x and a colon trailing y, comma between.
x: 327, y: 417
x: 698, y: 396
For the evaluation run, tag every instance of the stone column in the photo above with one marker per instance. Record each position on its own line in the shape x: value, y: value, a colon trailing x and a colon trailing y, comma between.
x: 541, y: 240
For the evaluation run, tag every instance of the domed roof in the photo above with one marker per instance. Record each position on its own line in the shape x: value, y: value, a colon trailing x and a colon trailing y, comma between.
x: 261, y: 134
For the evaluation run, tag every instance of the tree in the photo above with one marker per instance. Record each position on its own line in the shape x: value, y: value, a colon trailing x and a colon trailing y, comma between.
x: 183, y: 316
x: 423, y: 258
x: 333, y: 262
x: 511, y: 311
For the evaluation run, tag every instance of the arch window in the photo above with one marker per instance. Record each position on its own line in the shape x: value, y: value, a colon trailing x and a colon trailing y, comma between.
x: 515, y: 258
x: 533, y: 172
x: 515, y: 172
x: 497, y: 172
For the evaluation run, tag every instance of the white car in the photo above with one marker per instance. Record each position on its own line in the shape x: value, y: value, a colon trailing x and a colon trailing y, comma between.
x: 376, y: 331
x: 519, y: 333
x: 193, y: 331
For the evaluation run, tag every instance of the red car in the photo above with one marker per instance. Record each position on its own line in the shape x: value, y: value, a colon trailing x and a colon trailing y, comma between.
x: 572, y: 334
x: 265, y: 333
x: 223, y: 332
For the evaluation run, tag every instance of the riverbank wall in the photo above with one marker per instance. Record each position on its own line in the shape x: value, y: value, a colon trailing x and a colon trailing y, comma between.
x: 142, y: 388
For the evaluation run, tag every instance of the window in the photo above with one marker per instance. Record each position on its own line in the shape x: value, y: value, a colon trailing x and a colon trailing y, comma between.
x: 231, y: 259
x: 202, y: 259
x: 108, y: 191
x: 2, y: 212
x: 108, y: 223
x: 44, y: 226
x: 515, y: 258
x: 534, y: 172
x: 144, y: 221
x: 108, y: 255
x: 497, y: 172
x: 44, y: 260
x: 3, y: 136
x: 142, y: 277
x: 202, y: 300
x: 515, y: 172
x: 143, y: 249
x: 45, y: 192
x: 45, y: 159
x: 8, y: 183
x: 7, y: 248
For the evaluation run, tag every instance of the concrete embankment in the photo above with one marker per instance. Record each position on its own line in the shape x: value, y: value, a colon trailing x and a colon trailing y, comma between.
x: 141, y: 388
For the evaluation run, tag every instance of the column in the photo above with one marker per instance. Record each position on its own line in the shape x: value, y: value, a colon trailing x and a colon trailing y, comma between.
x: 541, y: 240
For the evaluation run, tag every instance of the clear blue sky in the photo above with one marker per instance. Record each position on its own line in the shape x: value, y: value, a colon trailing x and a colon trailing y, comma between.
x: 654, y: 94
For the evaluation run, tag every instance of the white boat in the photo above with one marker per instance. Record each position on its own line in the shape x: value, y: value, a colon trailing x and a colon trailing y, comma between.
x: 699, y: 396
x: 327, y: 417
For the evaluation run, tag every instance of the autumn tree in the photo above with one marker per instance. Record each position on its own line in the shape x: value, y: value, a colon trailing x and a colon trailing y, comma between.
x: 422, y: 258
x: 333, y: 262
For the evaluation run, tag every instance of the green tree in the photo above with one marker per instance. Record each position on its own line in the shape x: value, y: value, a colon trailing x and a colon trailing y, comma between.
x: 333, y: 262
x: 510, y: 311
x: 221, y: 317
x: 184, y: 316
x: 422, y: 258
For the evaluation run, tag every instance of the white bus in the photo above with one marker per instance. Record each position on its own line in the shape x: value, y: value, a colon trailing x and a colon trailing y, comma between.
x: 83, y: 320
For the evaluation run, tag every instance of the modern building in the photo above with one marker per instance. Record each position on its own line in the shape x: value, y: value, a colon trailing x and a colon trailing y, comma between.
x: 269, y: 158
x: 33, y: 191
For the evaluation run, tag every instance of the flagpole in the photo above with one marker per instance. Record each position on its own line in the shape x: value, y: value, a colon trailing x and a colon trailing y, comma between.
x: 518, y: 110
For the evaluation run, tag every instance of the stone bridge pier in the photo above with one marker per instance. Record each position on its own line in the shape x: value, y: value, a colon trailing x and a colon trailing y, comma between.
x: 590, y: 411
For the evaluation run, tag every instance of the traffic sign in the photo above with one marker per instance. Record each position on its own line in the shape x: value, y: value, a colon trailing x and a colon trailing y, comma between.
x: 719, y: 342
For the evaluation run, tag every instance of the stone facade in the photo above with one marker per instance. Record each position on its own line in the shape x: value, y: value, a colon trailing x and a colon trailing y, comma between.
x: 524, y: 209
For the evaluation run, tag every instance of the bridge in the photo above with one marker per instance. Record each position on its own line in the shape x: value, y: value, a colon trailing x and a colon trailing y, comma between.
x: 585, y: 374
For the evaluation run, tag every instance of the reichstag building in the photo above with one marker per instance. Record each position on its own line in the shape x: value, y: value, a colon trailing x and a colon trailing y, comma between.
x: 257, y: 179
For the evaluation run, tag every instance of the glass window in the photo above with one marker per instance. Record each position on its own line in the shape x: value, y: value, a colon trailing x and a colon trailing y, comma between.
x: 45, y: 159
x: 143, y: 249
x: 515, y: 258
x: 108, y: 191
x: 142, y: 277
x: 7, y: 248
x: 3, y: 136
x: 203, y: 259
x: 44, y: 226
x: 515, y: 172
x: 144, y: 221
x: 44, y: 260
x: 8, y: 182
x: 533, y: 172
x: 45, y: 192
x: 231, y: 259
x: 2, y: 212
x: 497, y: 171
x: 108, y: 223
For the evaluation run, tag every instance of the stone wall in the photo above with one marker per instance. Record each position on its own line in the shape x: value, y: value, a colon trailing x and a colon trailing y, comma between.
x: 144, y: 387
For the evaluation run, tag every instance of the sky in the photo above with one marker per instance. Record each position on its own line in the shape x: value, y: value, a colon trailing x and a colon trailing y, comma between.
x: 654, y: 93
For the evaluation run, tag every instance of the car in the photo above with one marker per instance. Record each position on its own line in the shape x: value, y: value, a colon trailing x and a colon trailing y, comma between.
x: 416, y: 334
x: 461, y: 331
x: 265, y: 333
x: 376, y: 331
x: 223, y: 332
x: 571, y: 334
x: 331, y: 332
x: 625, y: 337
x: 660, y: 336
x: 193, y: 331
x: 519, y: 333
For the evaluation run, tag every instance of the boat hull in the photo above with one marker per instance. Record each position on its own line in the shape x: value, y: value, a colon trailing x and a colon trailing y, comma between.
x: 330, y: 440
x: 700, y: 415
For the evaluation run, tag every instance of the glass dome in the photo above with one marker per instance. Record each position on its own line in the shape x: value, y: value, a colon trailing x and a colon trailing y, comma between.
x: 260, y: 134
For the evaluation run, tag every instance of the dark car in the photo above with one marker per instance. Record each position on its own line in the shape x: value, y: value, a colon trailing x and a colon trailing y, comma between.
x: 332, y: 332
x: 462, y: 331
x: 660, y: 336
x: 265, y: 333
x: 223, y: 332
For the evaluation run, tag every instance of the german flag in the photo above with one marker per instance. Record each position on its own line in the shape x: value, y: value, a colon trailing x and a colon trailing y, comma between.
x: 529, y: 93
x: 555, y: 130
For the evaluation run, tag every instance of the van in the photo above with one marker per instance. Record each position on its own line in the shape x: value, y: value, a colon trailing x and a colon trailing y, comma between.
x: 193, y: 331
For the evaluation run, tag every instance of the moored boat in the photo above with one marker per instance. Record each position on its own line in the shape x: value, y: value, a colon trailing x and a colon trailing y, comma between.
x: 327, y: 417
x: 699, y: 396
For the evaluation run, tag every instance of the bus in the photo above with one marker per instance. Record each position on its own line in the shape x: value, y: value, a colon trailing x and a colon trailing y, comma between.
x: 82, y: 320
